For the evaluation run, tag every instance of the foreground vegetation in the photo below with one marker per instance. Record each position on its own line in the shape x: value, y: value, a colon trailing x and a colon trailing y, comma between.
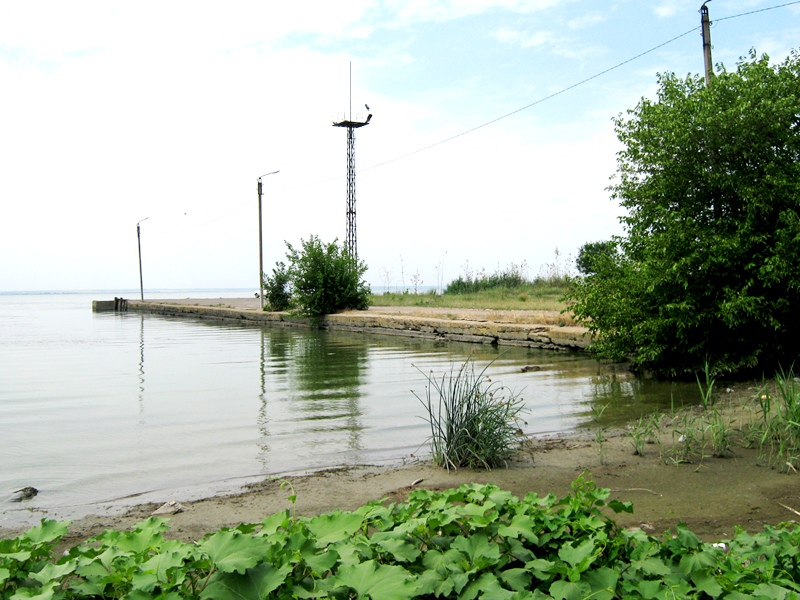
x: 474, y: 541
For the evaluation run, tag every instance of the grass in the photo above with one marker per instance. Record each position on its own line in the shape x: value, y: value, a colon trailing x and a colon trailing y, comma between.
x: 538, y: 295
x: 474, y: 421
x: 769, y: 422
x: 778, y: 429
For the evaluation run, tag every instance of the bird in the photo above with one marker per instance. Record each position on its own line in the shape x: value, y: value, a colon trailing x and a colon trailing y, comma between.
x: 25, y: 493
x: 366, y: 106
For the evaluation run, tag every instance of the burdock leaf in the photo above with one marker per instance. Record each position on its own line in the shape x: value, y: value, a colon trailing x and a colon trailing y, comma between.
x: 576, y: 556
x: 481, y: 553
x: 257, y: 582
x: 567, y: 590
x: 48, y: 531
x: 232, y: 551
x: 334, y: 527
x: 379, y: 582
x: 520, y: 526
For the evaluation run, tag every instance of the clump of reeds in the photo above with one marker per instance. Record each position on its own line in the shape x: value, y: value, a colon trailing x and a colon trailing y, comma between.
x: 474, y: 421
x: 780, y: 423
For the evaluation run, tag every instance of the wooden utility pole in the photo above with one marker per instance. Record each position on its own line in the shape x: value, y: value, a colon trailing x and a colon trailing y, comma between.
x: 705, y: 24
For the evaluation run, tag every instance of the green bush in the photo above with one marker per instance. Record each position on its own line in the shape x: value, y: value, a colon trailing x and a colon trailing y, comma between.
x: 326, y: 279
x: 473, y: 423
x: 709, y: 266
x: 278, y: 288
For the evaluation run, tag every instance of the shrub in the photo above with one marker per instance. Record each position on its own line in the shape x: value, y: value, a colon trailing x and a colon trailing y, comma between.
x: 709, y: 265
x: 277, y: 289
x: 326, y: 279
x: 473, y: 423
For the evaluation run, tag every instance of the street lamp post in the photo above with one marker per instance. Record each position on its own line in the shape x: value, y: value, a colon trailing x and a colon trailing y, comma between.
x: 261, y: 244
x: 139, y: 241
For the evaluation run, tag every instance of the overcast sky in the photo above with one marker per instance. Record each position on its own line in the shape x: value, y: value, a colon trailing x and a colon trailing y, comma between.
x: 113, y: 112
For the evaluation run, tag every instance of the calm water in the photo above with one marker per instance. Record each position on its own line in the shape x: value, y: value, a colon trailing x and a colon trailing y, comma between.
x: 100, y: 409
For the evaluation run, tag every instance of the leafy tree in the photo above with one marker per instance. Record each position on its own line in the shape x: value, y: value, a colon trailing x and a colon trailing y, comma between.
x: 590, y: 253
x: 709, y: 266
x: 326, y: 278
x: 277, y: 289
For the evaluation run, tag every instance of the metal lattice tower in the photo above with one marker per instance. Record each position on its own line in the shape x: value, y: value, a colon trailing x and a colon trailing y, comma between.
x: 351, y: 125
x: 350, y: 238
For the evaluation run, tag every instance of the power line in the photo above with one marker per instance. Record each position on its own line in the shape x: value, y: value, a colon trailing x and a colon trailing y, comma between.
x: 539, y: 101
x: 752, y: 12
x: 571, y: 87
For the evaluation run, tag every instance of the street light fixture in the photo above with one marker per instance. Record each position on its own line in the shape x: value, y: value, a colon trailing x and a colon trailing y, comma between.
x: 139, y: 240
x: 261, y: 243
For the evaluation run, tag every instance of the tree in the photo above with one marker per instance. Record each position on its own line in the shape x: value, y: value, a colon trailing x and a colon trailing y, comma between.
x: 326, y: 278
x: 590, y: 253
x: 708, y: 270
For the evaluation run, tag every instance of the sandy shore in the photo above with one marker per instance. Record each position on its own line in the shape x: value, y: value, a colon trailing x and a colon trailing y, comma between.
x: 711, y: 495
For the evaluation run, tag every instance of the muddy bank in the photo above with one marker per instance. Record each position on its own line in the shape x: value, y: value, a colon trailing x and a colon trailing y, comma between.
x: 531, y: 329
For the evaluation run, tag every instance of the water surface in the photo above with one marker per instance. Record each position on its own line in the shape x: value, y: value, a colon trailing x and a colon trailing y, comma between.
x: 100, y: 409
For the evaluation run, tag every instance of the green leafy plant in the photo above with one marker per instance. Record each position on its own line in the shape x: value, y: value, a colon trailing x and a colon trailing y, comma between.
x: 474, y: 422
x: 469, y: 542
x: 326, y: 278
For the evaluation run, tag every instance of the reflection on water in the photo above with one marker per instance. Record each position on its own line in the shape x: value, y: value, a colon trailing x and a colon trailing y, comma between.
x: 87, y: 419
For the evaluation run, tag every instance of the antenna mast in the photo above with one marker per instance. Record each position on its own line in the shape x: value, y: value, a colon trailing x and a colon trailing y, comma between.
x: 351, y: 125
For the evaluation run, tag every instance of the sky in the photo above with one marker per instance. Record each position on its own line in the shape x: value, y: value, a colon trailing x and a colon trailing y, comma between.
x: 491, y: 142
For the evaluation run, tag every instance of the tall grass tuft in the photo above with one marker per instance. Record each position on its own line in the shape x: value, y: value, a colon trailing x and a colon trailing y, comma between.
x: 780, y: 424
x: 474, y: 421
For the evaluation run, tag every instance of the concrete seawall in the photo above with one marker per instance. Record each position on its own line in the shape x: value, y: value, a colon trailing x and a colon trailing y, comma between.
x: 509, y: 328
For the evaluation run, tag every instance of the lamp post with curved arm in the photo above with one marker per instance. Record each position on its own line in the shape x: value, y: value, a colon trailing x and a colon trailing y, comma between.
x: 261, y: 243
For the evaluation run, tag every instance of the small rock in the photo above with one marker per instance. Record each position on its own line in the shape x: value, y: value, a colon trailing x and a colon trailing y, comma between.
x: 25, y: 493
x: 529, y: 368
x: 172, y: 507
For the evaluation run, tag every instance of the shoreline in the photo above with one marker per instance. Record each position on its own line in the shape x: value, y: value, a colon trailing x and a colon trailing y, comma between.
x: 711, y: 495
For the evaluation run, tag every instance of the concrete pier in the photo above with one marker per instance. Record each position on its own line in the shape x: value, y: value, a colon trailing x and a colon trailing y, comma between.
x: 533, y: 329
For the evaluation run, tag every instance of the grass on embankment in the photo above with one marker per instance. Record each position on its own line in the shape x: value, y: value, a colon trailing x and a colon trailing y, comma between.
x: 533, y: 296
